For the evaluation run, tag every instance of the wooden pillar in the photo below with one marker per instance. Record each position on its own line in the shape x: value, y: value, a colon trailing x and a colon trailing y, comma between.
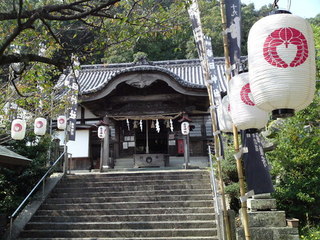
x: 147, y: 137
x: 186, y: 151
x: 106, y: 146
x: 117, y: 140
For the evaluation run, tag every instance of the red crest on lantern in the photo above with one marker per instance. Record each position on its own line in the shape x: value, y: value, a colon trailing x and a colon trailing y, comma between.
x: 285, y: 36
x: 245, y: 95
x: 17, y: 127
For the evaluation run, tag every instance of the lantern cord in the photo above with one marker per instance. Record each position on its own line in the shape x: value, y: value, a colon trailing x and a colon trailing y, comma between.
x: 275, y: 4
x: 289, y: 5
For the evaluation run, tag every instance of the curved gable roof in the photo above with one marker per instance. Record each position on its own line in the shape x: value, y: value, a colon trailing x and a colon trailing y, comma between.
x: 94, y: 81
x: 187, y: 73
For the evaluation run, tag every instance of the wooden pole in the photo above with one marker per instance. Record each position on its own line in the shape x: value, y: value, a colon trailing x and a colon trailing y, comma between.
x: 218, y: 156
x: 244, y: 211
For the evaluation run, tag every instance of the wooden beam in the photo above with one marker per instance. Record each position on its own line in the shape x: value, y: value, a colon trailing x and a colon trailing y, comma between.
x: 140, y: 98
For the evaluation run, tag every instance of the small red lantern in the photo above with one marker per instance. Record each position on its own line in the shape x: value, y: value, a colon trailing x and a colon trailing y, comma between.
x: 18, y: 129
x: 62, y: 122
x: 40, y: 126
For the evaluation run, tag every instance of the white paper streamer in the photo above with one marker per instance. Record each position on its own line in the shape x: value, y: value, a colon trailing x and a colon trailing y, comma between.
x: 157, y: 126
x: 128, y: 124
x: 171, y: 125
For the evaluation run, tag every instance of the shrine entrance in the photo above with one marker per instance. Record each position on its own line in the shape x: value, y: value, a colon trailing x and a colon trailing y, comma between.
x: 149, y: 140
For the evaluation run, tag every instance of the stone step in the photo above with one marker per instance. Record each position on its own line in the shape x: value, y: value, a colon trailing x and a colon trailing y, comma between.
x: 137, y: 211
x: 120, y: 233
x: 130, y: 238
x: 154, y: 174
x: 133, y: 188
x: 128, y: 205
x: 189, y: 192
x: 119, y: 225
x: 132, y: 183
x: 125, y: 218
x: 111, y: 177
x: 165, y: 198
x: 157, y: 205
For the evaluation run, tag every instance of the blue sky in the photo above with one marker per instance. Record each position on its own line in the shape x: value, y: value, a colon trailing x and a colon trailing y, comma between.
x: 302, y: 8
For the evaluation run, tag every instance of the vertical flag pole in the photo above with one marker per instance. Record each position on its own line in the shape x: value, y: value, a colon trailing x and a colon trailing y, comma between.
x: 244, y: 212
x: 194, y: 14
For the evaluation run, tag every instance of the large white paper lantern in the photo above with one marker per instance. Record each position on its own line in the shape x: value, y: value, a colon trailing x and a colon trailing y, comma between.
x: 62, y: 122
x: 224, y: 118
x: 102, y: 132
x: 40, y: 126
x: 18, y: 129
x: 244, y: 113
x: 281, y: 58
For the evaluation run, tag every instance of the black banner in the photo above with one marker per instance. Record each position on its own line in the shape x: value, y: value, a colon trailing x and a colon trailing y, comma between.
x: 233, y: 14
x: 194, y: 15
x: 204, y: 48
x: 216, y: 85
x: 72, y: 118
x: 255, y: 163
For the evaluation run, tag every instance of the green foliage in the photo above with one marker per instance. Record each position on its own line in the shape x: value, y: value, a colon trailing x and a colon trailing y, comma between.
x: 16, y: 184
x: 167, y: 41
x: 316, y: 32
x: 310, y: 233
x: 7, y: 191
x: 44, y: 39
x: 230, y: 174
x: 296, y: 164
x: 178, y: 43
x: 315, y: 20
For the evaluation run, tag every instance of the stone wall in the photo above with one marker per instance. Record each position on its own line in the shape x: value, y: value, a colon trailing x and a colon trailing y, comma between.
x: 266, y: 223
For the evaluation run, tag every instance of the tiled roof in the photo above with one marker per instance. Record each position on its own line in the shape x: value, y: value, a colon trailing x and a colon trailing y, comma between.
x: 188, y: 73
x: 9, y: 157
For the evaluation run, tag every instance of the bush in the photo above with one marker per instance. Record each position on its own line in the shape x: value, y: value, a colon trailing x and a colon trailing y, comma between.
x: 310, y: 234
x: 230, y: 174
x: 296, y: 165
x: 15, y: 185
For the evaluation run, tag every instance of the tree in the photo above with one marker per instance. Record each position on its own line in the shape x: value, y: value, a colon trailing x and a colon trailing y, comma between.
x: 316, y: 32
x: 35, y: 31
x: 39, y: 37
x: 296, y: 164
x: 296, y: 159
x: 315, y: 21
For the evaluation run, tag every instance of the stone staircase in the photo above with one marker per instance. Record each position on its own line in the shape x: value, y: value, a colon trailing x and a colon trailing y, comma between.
x: 150, y: 205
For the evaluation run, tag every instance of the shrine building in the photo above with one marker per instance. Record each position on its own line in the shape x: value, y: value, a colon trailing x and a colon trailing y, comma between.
x: 142, y: 105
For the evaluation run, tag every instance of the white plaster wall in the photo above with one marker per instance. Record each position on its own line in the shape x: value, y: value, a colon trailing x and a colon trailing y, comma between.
x: 79, y: 147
